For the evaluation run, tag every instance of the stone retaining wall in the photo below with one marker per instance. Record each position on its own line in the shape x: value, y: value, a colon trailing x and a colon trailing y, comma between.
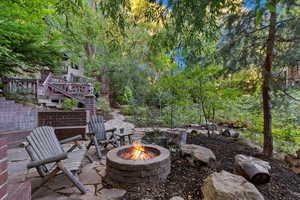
x: 14, y: 116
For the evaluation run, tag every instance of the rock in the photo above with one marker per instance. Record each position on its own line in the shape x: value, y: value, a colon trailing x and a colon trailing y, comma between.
x: 100, y: 167
x: 103, y: 161
x: 73, y: 190
x: 255, y: 170
x: 59, y: 182
x: 45, y: 194
x: 251, y: 144
x: 224, y: 185
x: 102, y: 173
x: 279, y: 156
x: 90, y: 166
x: 85, y: 197
x: 207, y: 126
x: 176, y: 137
x: 198, y: 153
x: 112, y: 194
x: 177, y: 198
x: 90, y: 177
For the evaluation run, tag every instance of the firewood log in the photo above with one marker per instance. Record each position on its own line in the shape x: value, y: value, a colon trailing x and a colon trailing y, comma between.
x: 255, y: 170
x: 230, y: 133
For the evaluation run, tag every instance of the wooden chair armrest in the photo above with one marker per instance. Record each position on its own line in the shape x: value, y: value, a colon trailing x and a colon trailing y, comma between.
x: 52, y: 159
x: 71, y: 139
x: 24, y: 144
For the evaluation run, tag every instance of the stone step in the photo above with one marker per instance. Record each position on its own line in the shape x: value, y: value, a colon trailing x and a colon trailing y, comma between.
x: 41, y: 101
x: 19, y: 191
x: 51, y: 104
x: 2, y: 99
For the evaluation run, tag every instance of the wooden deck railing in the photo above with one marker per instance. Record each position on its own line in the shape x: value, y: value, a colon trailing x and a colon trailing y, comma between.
x: 52, y: 86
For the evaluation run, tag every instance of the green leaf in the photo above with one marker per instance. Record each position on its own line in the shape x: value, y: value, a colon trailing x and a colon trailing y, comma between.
x: 259, y: 14
x: 271, y: 8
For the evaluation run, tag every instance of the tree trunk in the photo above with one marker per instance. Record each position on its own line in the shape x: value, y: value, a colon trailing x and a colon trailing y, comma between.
x: 103, y: 78
x: 266, y: 87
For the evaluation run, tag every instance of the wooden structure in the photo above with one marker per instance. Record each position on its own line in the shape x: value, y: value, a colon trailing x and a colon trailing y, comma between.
x: 48, y: 156
x: 21, y: 86
x: 52, y: 89
x: 99, y: 136
x: 66, y: 123
x: 122, y: 137
x: 57, y: 88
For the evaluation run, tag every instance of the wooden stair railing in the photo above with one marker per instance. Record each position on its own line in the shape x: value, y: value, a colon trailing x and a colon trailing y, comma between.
x: 67, y: 88
x: 64, y: 92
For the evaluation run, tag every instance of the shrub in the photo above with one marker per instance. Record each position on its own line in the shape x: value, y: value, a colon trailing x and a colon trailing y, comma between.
x: 126, y: 97
x: 70, y: 104
x: 128, y: 110
x: 104, y: 105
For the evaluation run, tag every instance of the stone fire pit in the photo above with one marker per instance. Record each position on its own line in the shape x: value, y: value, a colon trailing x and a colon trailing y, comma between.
x: 124, y: 169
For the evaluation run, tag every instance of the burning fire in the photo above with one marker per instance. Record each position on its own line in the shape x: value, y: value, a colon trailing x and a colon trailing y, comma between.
x: 138, y: 152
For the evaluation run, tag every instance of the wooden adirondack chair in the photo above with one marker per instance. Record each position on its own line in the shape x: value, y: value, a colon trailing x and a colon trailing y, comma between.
x: 98, y: 134
x: 49, y: 158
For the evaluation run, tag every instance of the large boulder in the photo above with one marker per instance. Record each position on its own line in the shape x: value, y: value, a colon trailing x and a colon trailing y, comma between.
x: 197, y: 153
x: 225, y: 185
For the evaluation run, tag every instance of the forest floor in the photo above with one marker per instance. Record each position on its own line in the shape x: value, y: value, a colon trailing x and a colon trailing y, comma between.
x: 186, y: 180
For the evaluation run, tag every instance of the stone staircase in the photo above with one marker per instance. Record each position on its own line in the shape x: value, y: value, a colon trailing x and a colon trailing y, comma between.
x: 16, y: 121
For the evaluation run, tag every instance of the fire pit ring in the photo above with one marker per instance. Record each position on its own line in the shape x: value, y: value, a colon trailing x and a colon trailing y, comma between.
x: 127, y: 171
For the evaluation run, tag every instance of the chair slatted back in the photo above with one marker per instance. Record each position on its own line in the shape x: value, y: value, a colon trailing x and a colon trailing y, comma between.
x: 96, y: 125
x: 43, y: 144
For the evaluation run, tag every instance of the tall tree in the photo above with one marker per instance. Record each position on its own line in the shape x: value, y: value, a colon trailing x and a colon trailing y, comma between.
x: 262, y: 36
x: 267, y: 78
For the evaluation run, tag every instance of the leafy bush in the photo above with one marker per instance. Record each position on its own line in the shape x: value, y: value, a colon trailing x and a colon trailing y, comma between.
x: 69, y: 104
x: 126, y: 97
x: 104, y: 105
x: 128, y: 110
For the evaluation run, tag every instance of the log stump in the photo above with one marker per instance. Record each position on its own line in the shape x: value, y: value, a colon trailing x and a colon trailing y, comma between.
x: 255, y: 170
x: 231, y: 133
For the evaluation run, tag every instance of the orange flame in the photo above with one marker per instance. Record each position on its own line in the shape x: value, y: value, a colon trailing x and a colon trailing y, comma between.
x: 139, y: 153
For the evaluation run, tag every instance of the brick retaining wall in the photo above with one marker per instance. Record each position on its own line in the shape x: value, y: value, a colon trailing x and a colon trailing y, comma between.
x: 18, y: 191
x: 3, y: 169
x: 66, y: 123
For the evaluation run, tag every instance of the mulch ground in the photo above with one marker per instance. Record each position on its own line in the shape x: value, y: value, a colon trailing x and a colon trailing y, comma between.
x: 186, y: 180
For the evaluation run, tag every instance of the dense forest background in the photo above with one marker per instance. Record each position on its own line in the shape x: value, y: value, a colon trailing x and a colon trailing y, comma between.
x: 170, y: 63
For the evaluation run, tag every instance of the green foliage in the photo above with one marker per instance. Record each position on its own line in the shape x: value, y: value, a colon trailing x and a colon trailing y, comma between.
x: 26, y: 42
x: 70, y: 104
x: 104, y: 105
x: 134, y: 110
x: 126, y: 97
x: 127, y: 110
